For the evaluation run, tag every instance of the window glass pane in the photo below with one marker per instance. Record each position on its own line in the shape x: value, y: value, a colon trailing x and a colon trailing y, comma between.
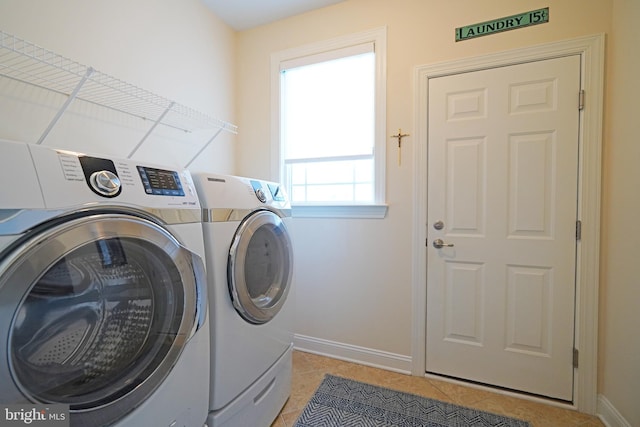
x: 331, y: 148
x: 329, y: 172
x: 363, y: 192
x: 337, y: 182
x: 364, y: 172
x: 297, y: 174
x: 328, y: 108
x: 334, y: 192
x: 298, y: 193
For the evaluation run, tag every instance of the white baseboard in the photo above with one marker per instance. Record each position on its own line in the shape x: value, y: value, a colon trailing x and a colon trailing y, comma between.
x: 609, y: 415
x: 353, y: 353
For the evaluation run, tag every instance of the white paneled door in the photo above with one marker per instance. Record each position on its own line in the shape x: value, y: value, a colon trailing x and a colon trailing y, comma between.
x: 502, y: 216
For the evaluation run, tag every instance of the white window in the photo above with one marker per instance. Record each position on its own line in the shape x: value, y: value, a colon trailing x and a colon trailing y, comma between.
x: 331, y: 125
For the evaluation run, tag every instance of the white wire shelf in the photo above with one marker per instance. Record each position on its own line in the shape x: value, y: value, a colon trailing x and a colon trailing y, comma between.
x: 31, y: 64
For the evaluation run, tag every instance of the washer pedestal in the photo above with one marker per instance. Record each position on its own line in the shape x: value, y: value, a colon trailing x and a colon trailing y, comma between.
x: 260, y: 404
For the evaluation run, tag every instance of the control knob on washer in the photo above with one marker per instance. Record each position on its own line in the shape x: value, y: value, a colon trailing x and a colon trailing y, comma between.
x: 105, y: 182
x: 261, y: 196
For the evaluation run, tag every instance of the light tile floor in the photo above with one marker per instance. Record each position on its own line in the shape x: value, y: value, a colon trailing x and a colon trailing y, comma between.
x: 309, y: 370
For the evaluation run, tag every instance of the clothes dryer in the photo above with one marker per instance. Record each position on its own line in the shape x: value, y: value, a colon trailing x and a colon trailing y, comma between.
x: 250, y: 266
x: 103, y: 305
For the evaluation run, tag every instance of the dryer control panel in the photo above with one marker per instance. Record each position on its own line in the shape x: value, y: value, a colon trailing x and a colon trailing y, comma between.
x: 257, y: 188
x: 237, y: 192
x: 275, y: 190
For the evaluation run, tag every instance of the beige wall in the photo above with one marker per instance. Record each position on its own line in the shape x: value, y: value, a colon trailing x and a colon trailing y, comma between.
x: 178, y: 50
x: 359, y: 271
x: 619, y: 338
x: 353, y: 276
x: 419, y: 32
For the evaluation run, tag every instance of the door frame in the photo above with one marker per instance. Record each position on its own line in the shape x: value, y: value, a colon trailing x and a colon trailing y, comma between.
x: 591, y: 51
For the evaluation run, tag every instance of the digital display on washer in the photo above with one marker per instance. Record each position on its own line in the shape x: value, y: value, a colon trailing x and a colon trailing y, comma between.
x: 160, y: 182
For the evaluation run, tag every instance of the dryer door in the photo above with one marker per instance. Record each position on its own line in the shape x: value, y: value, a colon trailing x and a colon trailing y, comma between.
x: 260, y: 266
x: 96, y: 310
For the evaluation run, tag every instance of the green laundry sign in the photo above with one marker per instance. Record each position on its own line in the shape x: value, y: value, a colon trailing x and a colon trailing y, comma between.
x: 525, y: 19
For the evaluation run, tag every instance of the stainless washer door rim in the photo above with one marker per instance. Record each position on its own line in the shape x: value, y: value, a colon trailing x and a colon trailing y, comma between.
x: 259, y: 306
x: 23, y: 268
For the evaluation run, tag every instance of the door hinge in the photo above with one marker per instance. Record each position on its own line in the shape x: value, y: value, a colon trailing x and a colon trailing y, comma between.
x: 578, y: 230
x: 576, y: 354
x: 581, y: 100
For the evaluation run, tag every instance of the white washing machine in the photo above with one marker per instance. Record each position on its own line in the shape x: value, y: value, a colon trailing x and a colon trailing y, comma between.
x: 249, y: 266
x: 103, y: 305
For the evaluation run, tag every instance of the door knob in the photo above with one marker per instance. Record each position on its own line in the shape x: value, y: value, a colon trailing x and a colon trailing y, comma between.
x: 439, y: 243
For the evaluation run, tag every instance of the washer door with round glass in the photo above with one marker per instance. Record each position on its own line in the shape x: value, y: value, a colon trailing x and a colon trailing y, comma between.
x: 260, y: 266
x: 95, y: 312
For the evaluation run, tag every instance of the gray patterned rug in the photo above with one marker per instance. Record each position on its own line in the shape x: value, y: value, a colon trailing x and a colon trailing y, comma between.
x: 340, y: 402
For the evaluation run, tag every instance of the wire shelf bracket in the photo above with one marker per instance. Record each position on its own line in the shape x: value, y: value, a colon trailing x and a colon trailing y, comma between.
x: 31, y: 64
x: 64, y: 106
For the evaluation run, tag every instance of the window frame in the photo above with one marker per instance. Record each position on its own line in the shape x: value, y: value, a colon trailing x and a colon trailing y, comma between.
x: 378, y: 208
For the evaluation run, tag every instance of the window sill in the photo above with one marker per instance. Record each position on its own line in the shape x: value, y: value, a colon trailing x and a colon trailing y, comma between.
x: 339, y: 211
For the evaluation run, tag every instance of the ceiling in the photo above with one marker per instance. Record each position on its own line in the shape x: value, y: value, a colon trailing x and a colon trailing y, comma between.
x: 246, y: 14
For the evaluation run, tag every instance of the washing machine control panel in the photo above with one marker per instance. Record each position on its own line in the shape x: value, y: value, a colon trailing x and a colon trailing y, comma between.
x: 106, y: 183
x: 101, y: 176
x: 68, y: 178
x: 160, y: 182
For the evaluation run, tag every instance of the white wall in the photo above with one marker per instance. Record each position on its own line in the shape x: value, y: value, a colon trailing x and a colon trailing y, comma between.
x: 619, y: 355
x: 176, y: 49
